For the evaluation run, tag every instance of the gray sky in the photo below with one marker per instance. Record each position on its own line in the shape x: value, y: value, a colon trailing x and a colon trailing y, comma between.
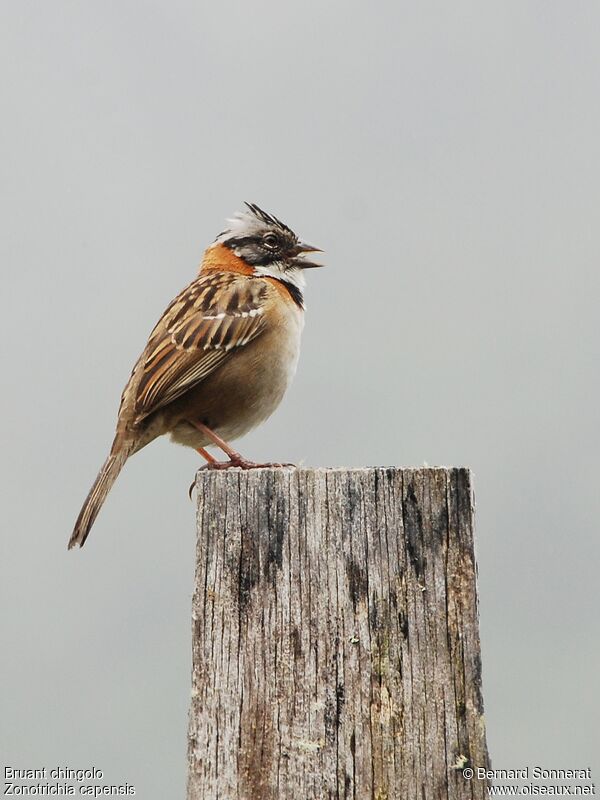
x: 447, y: 158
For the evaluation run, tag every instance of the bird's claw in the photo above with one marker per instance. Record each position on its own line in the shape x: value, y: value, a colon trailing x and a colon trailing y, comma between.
x: 243, y: 463
x: 240, y: 463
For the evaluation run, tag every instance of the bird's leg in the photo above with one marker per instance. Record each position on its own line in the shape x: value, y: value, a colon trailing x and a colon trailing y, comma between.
x: 235, y: 459
x: 209, y: 459
x: 206, y: 455
x: 216, y: 439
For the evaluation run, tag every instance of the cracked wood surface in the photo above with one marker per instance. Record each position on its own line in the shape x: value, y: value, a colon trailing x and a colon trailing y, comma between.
x: 335, y: 636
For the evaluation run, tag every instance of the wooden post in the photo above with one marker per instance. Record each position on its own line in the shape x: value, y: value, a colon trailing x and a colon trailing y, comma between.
x: 335, y: 636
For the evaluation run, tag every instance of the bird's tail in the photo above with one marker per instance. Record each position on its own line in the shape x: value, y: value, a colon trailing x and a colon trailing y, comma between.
x: 97, y: 495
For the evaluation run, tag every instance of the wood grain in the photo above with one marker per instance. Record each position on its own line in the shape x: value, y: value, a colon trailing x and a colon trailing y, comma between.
x: 335, y: 636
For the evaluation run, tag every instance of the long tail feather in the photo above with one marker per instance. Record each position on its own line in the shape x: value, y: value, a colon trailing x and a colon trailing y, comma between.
x: 97, y: 495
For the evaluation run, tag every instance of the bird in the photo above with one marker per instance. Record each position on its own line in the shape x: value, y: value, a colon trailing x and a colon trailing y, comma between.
x: 221, y: 356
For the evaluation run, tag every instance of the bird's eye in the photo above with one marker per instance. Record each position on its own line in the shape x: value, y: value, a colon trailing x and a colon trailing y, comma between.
x: 270, y: 240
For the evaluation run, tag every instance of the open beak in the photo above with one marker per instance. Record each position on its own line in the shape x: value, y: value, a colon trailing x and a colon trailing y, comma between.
x: 303, y: 263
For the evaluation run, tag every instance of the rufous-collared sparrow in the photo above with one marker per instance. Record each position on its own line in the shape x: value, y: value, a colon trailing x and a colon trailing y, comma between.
x: 221, y: 356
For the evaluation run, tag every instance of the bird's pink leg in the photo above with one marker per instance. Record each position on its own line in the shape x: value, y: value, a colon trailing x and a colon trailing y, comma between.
x: 206, y: 455
x: 209, y: 459
x: 235, y: 459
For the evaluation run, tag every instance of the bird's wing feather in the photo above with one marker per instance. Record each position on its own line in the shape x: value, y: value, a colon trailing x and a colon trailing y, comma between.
x: 215, y: 314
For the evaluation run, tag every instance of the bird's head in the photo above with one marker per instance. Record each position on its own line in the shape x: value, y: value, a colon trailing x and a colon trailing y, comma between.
x: 267, y: 245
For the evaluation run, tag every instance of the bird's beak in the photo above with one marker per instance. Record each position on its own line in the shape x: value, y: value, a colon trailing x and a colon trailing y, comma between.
x: 300, y: 261
x: 304, y: 247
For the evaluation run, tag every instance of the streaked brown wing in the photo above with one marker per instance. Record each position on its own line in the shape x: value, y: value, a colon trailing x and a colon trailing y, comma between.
x: 215, y: 314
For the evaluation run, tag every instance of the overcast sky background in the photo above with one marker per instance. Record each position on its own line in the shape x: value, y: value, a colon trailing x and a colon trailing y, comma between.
x: 447, y: 158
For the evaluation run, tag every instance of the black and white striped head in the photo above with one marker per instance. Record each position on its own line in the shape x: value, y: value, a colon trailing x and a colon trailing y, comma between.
x: 268, y: 245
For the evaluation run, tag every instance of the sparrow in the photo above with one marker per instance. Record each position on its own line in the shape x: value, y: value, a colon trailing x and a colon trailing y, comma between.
x: 221, y: 356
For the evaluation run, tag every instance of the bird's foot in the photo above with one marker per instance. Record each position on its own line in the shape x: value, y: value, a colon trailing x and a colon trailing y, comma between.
x: 243, y: 463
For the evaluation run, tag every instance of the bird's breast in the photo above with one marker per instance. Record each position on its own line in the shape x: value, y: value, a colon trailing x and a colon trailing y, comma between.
x: 259, y: 378
x: 250, y: 384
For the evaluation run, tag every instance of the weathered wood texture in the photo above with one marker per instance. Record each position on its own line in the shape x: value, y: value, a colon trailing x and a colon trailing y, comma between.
x: 335, y: 636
